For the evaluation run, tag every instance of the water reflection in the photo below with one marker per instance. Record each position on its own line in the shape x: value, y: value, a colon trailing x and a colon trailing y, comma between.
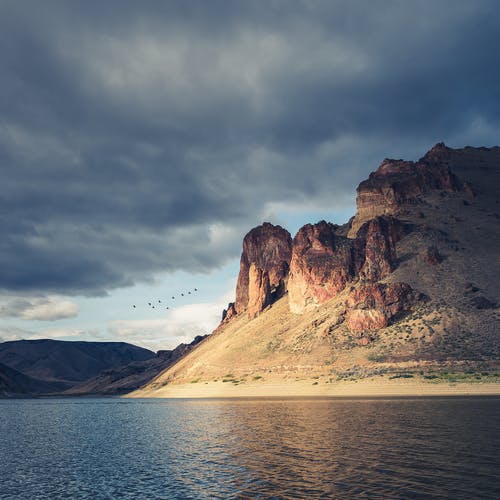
x: 250, y: 448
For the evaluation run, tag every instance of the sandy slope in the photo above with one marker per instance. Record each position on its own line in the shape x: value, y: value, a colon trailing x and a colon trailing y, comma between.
x: 371, y: 387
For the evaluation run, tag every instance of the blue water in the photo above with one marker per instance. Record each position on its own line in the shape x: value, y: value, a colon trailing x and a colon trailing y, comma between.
x: 302, y: 448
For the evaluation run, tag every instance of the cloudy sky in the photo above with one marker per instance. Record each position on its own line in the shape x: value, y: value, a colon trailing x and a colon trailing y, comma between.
x: 140, y: 141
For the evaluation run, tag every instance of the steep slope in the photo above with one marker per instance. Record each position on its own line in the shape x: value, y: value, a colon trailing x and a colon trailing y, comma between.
x: 68, y: 363
x: 411, y: 282
x: 127, y: 378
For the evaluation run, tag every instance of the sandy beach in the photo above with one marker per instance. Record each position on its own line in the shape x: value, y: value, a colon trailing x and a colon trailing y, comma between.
x: 370, y: 387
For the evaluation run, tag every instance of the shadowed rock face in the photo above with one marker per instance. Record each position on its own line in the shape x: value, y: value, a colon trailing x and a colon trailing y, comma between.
x: 380, y: 236
x: 322, y: 264
x: 264, y: 266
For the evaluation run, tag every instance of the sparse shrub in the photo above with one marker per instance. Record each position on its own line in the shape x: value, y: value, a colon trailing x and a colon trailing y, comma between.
x: 401, y: 375
x: 377, y: 357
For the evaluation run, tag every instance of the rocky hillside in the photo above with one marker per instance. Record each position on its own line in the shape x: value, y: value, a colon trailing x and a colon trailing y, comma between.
x: 410, y: 281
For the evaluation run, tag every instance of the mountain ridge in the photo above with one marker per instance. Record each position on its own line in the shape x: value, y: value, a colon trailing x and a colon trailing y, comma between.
x: 66, y: 363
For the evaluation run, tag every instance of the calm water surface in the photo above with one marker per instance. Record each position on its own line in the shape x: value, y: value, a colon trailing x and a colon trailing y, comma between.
x: 303, y: 448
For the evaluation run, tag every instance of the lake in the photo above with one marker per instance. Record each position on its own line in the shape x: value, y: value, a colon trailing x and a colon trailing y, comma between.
x: 250, y: 448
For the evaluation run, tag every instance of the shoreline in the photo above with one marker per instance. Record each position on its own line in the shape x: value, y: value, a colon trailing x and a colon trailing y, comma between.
x: 371, y: 387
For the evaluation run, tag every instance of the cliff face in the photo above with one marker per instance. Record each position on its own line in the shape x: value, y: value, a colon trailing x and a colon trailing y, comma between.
x: 322, y: 264
x: 321, y: 261
x: 264, y: 267
x: 396, y: 183
x: 372, y: 306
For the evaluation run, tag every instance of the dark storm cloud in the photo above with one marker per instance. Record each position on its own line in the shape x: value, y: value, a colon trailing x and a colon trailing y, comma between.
x: 138, y: 137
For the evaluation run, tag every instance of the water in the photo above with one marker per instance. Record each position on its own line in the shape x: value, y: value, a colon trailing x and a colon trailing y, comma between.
x: 303, y: 448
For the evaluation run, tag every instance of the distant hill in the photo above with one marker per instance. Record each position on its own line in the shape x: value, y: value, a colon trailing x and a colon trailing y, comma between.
x: 127, y: 378
x: 67, y: 363
x: 411, y: 282
x: 14, y: 383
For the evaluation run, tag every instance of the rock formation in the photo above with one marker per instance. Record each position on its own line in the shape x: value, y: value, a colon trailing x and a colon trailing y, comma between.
x: 322, y: 264
x: 397, y: 182
x: 228, y: 313
x: 323, y: 258
x: 380, y: 236
x: 410, y: 283
x: 372, y: 306
x: 264, y: 266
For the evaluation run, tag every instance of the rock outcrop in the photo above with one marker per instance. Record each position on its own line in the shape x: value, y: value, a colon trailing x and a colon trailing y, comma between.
x: 228, y: 313
x: 380, y: 236
x: 264, y: 266
x: 322, y: 264
x: 372, y: 306
x: 398, y: 182
x: 324, y: 258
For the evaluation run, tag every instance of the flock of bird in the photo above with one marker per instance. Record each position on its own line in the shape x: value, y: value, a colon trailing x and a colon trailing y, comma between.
x: 159, y: 304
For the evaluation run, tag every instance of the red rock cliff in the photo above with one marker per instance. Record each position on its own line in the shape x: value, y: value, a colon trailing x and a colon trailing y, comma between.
x: 322, y: 263
x: 264, y: 267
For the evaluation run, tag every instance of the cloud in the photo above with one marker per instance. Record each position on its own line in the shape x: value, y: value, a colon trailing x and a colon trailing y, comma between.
x: 11, y: 333
x: 152, y: 140
x: 41, y: 308
x: 179, y: 325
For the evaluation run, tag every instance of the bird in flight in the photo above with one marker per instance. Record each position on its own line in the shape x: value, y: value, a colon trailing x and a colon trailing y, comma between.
x: 189, y: 292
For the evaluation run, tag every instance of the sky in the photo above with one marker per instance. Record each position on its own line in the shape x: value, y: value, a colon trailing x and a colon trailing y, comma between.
x: 140, y: 141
